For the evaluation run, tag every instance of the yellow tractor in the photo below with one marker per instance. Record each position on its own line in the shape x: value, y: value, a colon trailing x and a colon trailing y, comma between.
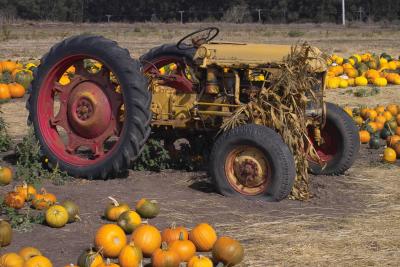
x: 93, y: 107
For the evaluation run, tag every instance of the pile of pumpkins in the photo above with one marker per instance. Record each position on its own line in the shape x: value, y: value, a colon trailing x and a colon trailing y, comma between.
x: 361, y: 70
x: 172, y: 247
x: 26, y: 257
x: 379, y: 123
x: 55, y: 215
x: 15, y: 79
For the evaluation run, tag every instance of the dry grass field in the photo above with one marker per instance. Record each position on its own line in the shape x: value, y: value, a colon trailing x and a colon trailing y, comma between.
x: 353, y: 220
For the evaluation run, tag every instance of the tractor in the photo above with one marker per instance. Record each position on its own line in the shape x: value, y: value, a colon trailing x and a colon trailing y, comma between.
x: 95, y: 122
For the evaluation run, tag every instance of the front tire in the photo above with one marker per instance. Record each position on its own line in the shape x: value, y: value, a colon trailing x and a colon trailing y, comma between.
x: 252, y: 161
x: 341, y: 143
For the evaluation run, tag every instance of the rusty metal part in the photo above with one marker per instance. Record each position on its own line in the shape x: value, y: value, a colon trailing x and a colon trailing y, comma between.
x: 247, y: 170
x: 237, y: 88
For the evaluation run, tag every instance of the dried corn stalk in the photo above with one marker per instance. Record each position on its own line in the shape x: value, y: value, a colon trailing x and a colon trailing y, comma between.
x: 281, y: 105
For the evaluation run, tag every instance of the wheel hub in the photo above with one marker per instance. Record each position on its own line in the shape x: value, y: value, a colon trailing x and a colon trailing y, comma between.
x: 89, y: 110
x: 248, y: 171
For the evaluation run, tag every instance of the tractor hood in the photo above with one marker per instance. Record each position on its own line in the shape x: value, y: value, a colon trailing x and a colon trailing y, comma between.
x: 247, y: 54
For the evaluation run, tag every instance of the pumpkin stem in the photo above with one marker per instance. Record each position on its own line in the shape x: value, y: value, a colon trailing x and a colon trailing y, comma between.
x: 131, y: 243
x: 173, y: 225
x: 164, y: 246
x: 115, y: 202
x: 24, y: 184
x: 78, y: 218
x: 43, y: 191
x: 108, y: 262
x: 145, y: 222
x: 181, y: 236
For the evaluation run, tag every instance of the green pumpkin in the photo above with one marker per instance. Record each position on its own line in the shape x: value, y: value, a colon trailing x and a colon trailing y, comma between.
x: 72, y: 209
x: 24, y: 78
x: 129, y: 221
x: 386, y: 56
x: 362, y: 68
x: 374, y: 143
x: 147, y: 209
x: 6, y: 77
x: 355, y: 60
x: 385, y: 133
x: 5, y: 233
x: 391, y: 125
x: 87, y: 258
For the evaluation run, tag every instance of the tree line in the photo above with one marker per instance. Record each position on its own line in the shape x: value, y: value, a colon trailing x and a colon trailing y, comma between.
x: 236, y: 11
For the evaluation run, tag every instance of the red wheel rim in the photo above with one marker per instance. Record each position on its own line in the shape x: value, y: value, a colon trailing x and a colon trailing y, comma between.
x: 178, y: 80
x: 89, y: 112
x: 331, y: 140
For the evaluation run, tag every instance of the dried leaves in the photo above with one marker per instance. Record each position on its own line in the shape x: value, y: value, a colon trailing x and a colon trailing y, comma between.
x: 281, y: 105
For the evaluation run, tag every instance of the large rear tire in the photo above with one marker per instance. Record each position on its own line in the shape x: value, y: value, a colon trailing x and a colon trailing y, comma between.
x: 132, y: 99
x: 341, y: 143
x: 252, y: 161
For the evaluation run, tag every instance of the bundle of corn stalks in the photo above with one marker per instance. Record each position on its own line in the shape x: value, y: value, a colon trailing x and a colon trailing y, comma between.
x: 281, y: 105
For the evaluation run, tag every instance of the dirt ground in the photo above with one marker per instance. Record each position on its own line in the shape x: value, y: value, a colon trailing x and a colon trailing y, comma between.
x: 352, y: 219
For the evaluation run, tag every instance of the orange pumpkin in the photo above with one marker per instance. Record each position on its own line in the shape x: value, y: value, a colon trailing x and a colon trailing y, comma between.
x: 16, y: 90
x: 4, y: 91
x: 228, y: 251
x: 115, y: 209
x: 165, y: 257
x: 14, y: 200
x: 203, y: 237
x: 28, y: 252
x: 89, y: 258
x: 392, y: 108
x: 11, y: 260
x: 392, y: 140
x: 396, y: 148
x: 147, y: 238
x: 397, y: 131
x: 398, y: 119
x: 364, y: 136
x: 185, y: 248
x: 43, y: 200
x: 389, y: 155
x: 6, y: 175
x: 130, y: 256
x: 28, y: 191
x: 71, y: 265
x: 200, y: 261
x: 173, y: 233
x: 38, y: 261
x: 107, y: 263
x: 9, y: 66
x: 110, y: 239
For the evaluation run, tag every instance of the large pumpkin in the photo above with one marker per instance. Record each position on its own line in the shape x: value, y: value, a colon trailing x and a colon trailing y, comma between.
x: 38, y: 261
x: 14, y: 200
x: 28, y: 191
x: 72, y: 209
x: 16, y: 90
x: 5, y: 175
x: 185, y: 248
x: 165, y: 257
x: 110, y: 239
x: 56, y: 216
x: 11, y: 260
x: 147, y: 208
x: 107, y: 263
x: 129, y: 221
x: 29, y: 252
x: 5, y: 233
x: 4, y: 92
x: 200, y: 261
x: 115, y: 209
x: 173, y: 233
x: 147, y: 238
x: 24, y: 78
x: 203, y: 237
x: 228, y: 251
x: 130, y: 256
x: 89, y: 258
x: 8, y: 66
x: 43, y: 200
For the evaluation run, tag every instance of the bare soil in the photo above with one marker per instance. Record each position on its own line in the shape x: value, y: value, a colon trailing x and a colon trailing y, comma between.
x: 351, y: 220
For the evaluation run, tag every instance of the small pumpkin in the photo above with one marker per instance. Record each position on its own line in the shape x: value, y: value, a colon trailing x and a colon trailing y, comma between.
x: 392, y: 140
x: 4, y: 91
x: 38, y: 261
x: 107, y: 263
x: 203, y: 237
x: 24, y: 78
x: 374, y: 143
x: 72, y: 209
x: 389, y: 155
x: 130, y: 256
x: 14, y: 200
x: 165, y: 257
x: 364, y: 136
x: 89, y: 258
x: 43, y: 200
x: 147, y: 208
x: 200, y: 261
x: 16, y: 90
x: 185, y: 248
x: 56, y: 216
x: 228, y: 251
x: 115, y: 209
x: 28, y: 252
x: 6, y: 175
x: 5, y: 233
x: 393, y: 108
x: 361, y: 81
x: 28, y: 191
x: 129, y: 221
x: 173, y: 233
x: 397, y: 149
x: 9, y: 66
x: 147, y: 238
x: 11, y: 260
x: 110, y: 239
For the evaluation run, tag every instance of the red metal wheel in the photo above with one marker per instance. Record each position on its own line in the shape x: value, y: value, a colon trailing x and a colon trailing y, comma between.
x: 88, y: 114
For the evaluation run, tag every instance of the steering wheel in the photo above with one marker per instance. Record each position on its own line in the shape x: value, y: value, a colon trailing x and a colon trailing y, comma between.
x: 198, y: 38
